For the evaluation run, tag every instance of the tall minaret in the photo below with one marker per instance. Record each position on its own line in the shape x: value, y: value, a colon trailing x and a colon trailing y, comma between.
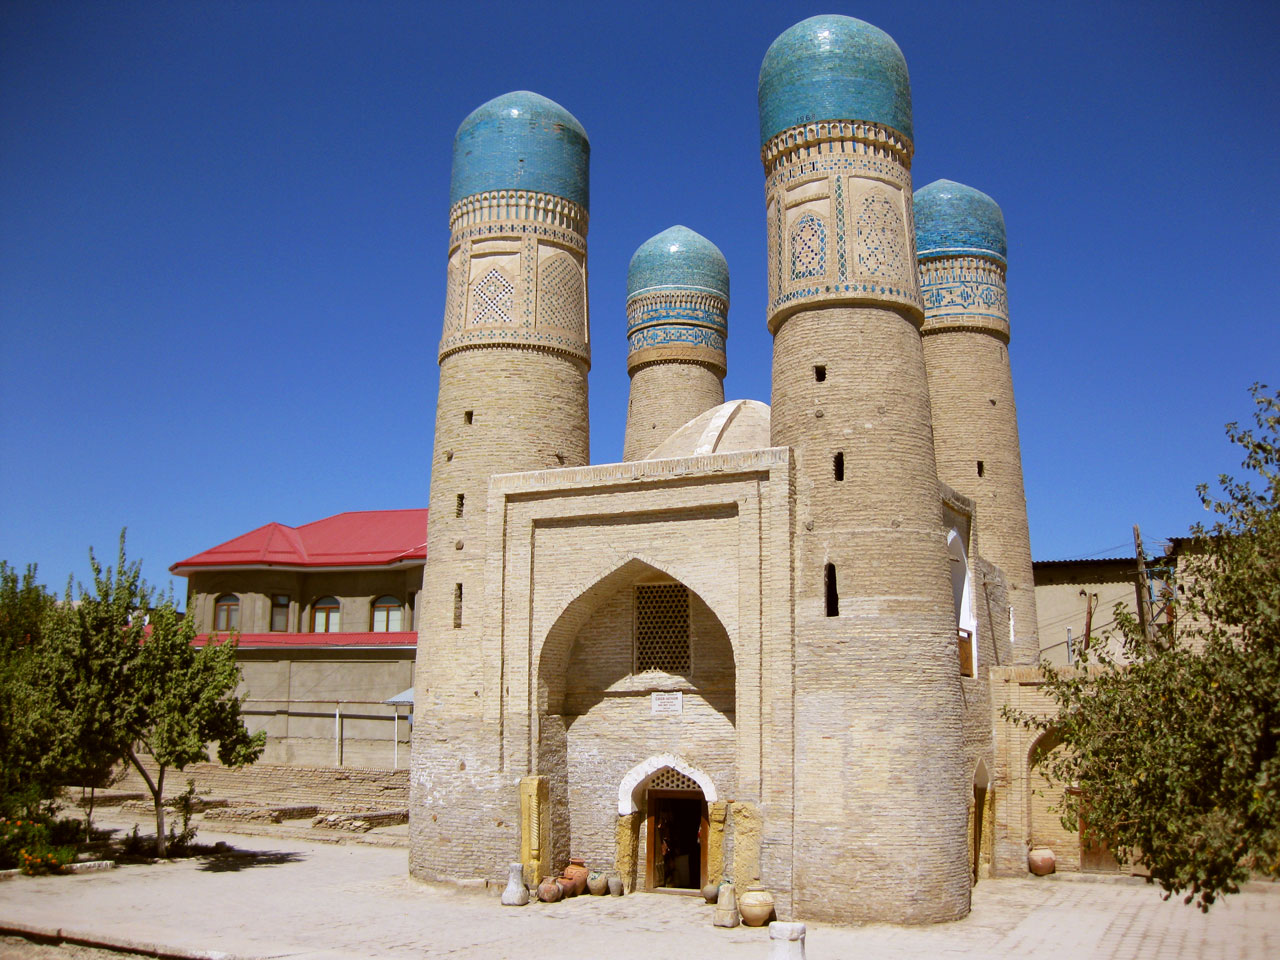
x: 513, y: 396
x: 960, y: 243
x: 677, y: 322
x: 880, y: 789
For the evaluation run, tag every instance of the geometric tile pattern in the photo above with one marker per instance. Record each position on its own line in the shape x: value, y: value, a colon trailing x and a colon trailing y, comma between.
x: 560, y: 294
x: 492, y: 299
x: 881, y: 236
x: 808, y: 248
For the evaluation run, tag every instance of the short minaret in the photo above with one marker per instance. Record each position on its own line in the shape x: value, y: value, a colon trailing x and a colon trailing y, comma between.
x: 677, y: 322
x: 879, y: 780
x: 960, y: 243
x: 513, y: 396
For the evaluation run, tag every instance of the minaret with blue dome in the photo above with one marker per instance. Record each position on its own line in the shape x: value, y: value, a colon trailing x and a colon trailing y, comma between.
x: 677, y: 324
x: 514, y: 354
x: 878, y: 705
x: 960, y: 243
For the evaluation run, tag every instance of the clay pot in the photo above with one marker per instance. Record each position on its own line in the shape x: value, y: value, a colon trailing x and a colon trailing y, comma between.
x: 756, y: 906
x: 1041, y: 861
x: 597, y: 883
x: 711, y: 891
x: 549, y: 891
x: 516, y: 894
x: 577, y: 872
x: 615, y: 886
x: 568, y: 887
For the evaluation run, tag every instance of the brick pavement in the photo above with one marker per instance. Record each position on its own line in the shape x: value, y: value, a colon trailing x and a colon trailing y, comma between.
x: 326, y: 901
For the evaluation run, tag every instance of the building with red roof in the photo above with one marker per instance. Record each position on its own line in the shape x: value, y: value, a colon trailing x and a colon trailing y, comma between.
x: 325, y: 617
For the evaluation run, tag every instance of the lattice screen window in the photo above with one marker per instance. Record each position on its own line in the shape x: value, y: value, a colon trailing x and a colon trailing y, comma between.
x: 662, y: 627
x: 668, y: 779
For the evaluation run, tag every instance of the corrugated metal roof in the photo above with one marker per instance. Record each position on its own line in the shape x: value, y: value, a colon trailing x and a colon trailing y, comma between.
x: 355, y: 538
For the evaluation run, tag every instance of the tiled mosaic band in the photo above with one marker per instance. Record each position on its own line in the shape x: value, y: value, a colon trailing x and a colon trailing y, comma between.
x: 964, y: 293
x: 517, y: 274
x: 840, y: 219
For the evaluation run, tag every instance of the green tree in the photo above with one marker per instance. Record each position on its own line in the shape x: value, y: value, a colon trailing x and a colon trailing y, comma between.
x: 24, y: 607
x: 180, y: 700
x: 1173, y: 747
x: 116, y: 677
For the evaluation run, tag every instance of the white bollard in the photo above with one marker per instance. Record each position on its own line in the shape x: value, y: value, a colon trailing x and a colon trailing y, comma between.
x: 786, y: 941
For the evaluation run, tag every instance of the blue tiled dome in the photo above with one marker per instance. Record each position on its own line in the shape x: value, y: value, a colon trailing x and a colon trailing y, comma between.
x: 954, y: 219
x: 833, y: 68
x: 521, y: 141
x: 678, y: 258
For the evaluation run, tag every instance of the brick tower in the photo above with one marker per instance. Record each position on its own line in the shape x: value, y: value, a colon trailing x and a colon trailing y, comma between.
x: 879, y: 780
x: 513, y: 396
x: 677, y: 322
x: 960, y: 243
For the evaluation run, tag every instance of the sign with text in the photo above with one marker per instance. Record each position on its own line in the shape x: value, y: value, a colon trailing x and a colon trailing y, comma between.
x: 665, y: 704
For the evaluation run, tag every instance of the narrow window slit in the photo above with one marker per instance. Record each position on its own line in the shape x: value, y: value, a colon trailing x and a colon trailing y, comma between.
x: 833, y: 593
x: 469, y: 417
x: 457, y: 605
x: 819, y: 373
x: 981, y: 468
x: 457, y: 510
x: 837, y: 465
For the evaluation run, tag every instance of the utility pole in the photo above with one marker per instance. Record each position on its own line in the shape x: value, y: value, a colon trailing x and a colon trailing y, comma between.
x: 1090, y: 604
x: 1144, y: 591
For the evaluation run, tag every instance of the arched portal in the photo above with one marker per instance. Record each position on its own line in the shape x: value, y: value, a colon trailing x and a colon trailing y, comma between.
x: 637, y: 666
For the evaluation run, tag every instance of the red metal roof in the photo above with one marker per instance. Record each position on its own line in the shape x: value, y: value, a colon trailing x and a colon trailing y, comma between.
x: 355, y: 538
x: 399, y: 638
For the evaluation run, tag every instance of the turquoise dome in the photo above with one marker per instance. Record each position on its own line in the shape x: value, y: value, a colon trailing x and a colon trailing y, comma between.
x: 833, y: 68
x: 678, y: 258
x: 521, y: 141
x: 952, y: 219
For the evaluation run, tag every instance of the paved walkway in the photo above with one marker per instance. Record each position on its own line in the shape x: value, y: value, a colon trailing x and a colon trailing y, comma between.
x: 287, y: 897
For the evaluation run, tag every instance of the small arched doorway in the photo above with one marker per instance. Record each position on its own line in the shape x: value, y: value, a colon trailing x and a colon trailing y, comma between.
x: 669, y: 797
x: 675, y: 832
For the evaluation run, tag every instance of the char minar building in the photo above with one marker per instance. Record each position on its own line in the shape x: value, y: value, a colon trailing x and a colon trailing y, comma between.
x: 764, y: 645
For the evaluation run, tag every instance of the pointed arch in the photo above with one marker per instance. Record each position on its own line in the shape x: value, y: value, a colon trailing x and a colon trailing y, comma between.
x: 637, y: 776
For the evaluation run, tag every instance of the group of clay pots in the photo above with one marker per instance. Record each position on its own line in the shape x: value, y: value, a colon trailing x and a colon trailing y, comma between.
x: 754, y: 907
x: 577, y: 879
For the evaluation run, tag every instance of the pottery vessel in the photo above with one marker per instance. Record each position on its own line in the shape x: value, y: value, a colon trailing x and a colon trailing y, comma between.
x: 597, y: 883
x: 549, y: 891
x: 756, y: 906
x: 516, y: 894
x: 711, y: 891
x: 577, y: 872
x: 615, y: 886
x: 1041, y: 861
x: 568, y: 887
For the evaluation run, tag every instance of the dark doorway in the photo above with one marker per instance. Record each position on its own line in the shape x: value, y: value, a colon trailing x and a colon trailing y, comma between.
x: 677, y: 835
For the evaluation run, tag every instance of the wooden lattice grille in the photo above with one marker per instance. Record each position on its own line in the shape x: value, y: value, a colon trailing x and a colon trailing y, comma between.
x: 662, y: 627
x: 669, y: 779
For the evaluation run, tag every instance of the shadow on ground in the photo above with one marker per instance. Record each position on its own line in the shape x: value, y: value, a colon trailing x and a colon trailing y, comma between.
x: 234, y: 861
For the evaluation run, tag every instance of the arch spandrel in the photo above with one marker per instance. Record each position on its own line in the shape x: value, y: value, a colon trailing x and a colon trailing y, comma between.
x: 553, y: 652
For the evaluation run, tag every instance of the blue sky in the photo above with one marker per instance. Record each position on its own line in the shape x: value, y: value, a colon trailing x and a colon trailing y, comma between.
x: 223, y: 229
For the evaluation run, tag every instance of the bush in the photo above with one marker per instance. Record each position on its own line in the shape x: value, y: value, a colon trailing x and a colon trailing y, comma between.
x: 25, y: 844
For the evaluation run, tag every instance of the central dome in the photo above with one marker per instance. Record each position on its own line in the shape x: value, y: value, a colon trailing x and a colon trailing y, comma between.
x: 833, y: 68
x: 678, y: 258
x: 521, y: 141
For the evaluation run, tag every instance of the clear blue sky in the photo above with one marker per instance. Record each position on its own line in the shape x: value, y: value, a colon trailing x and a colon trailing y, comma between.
x: 223, y: 229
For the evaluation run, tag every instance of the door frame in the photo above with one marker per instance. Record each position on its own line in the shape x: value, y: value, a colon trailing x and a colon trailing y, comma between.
x: 650, y: 818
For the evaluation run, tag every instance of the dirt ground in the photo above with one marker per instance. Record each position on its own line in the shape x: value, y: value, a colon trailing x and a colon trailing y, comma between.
x: 17, y: 948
